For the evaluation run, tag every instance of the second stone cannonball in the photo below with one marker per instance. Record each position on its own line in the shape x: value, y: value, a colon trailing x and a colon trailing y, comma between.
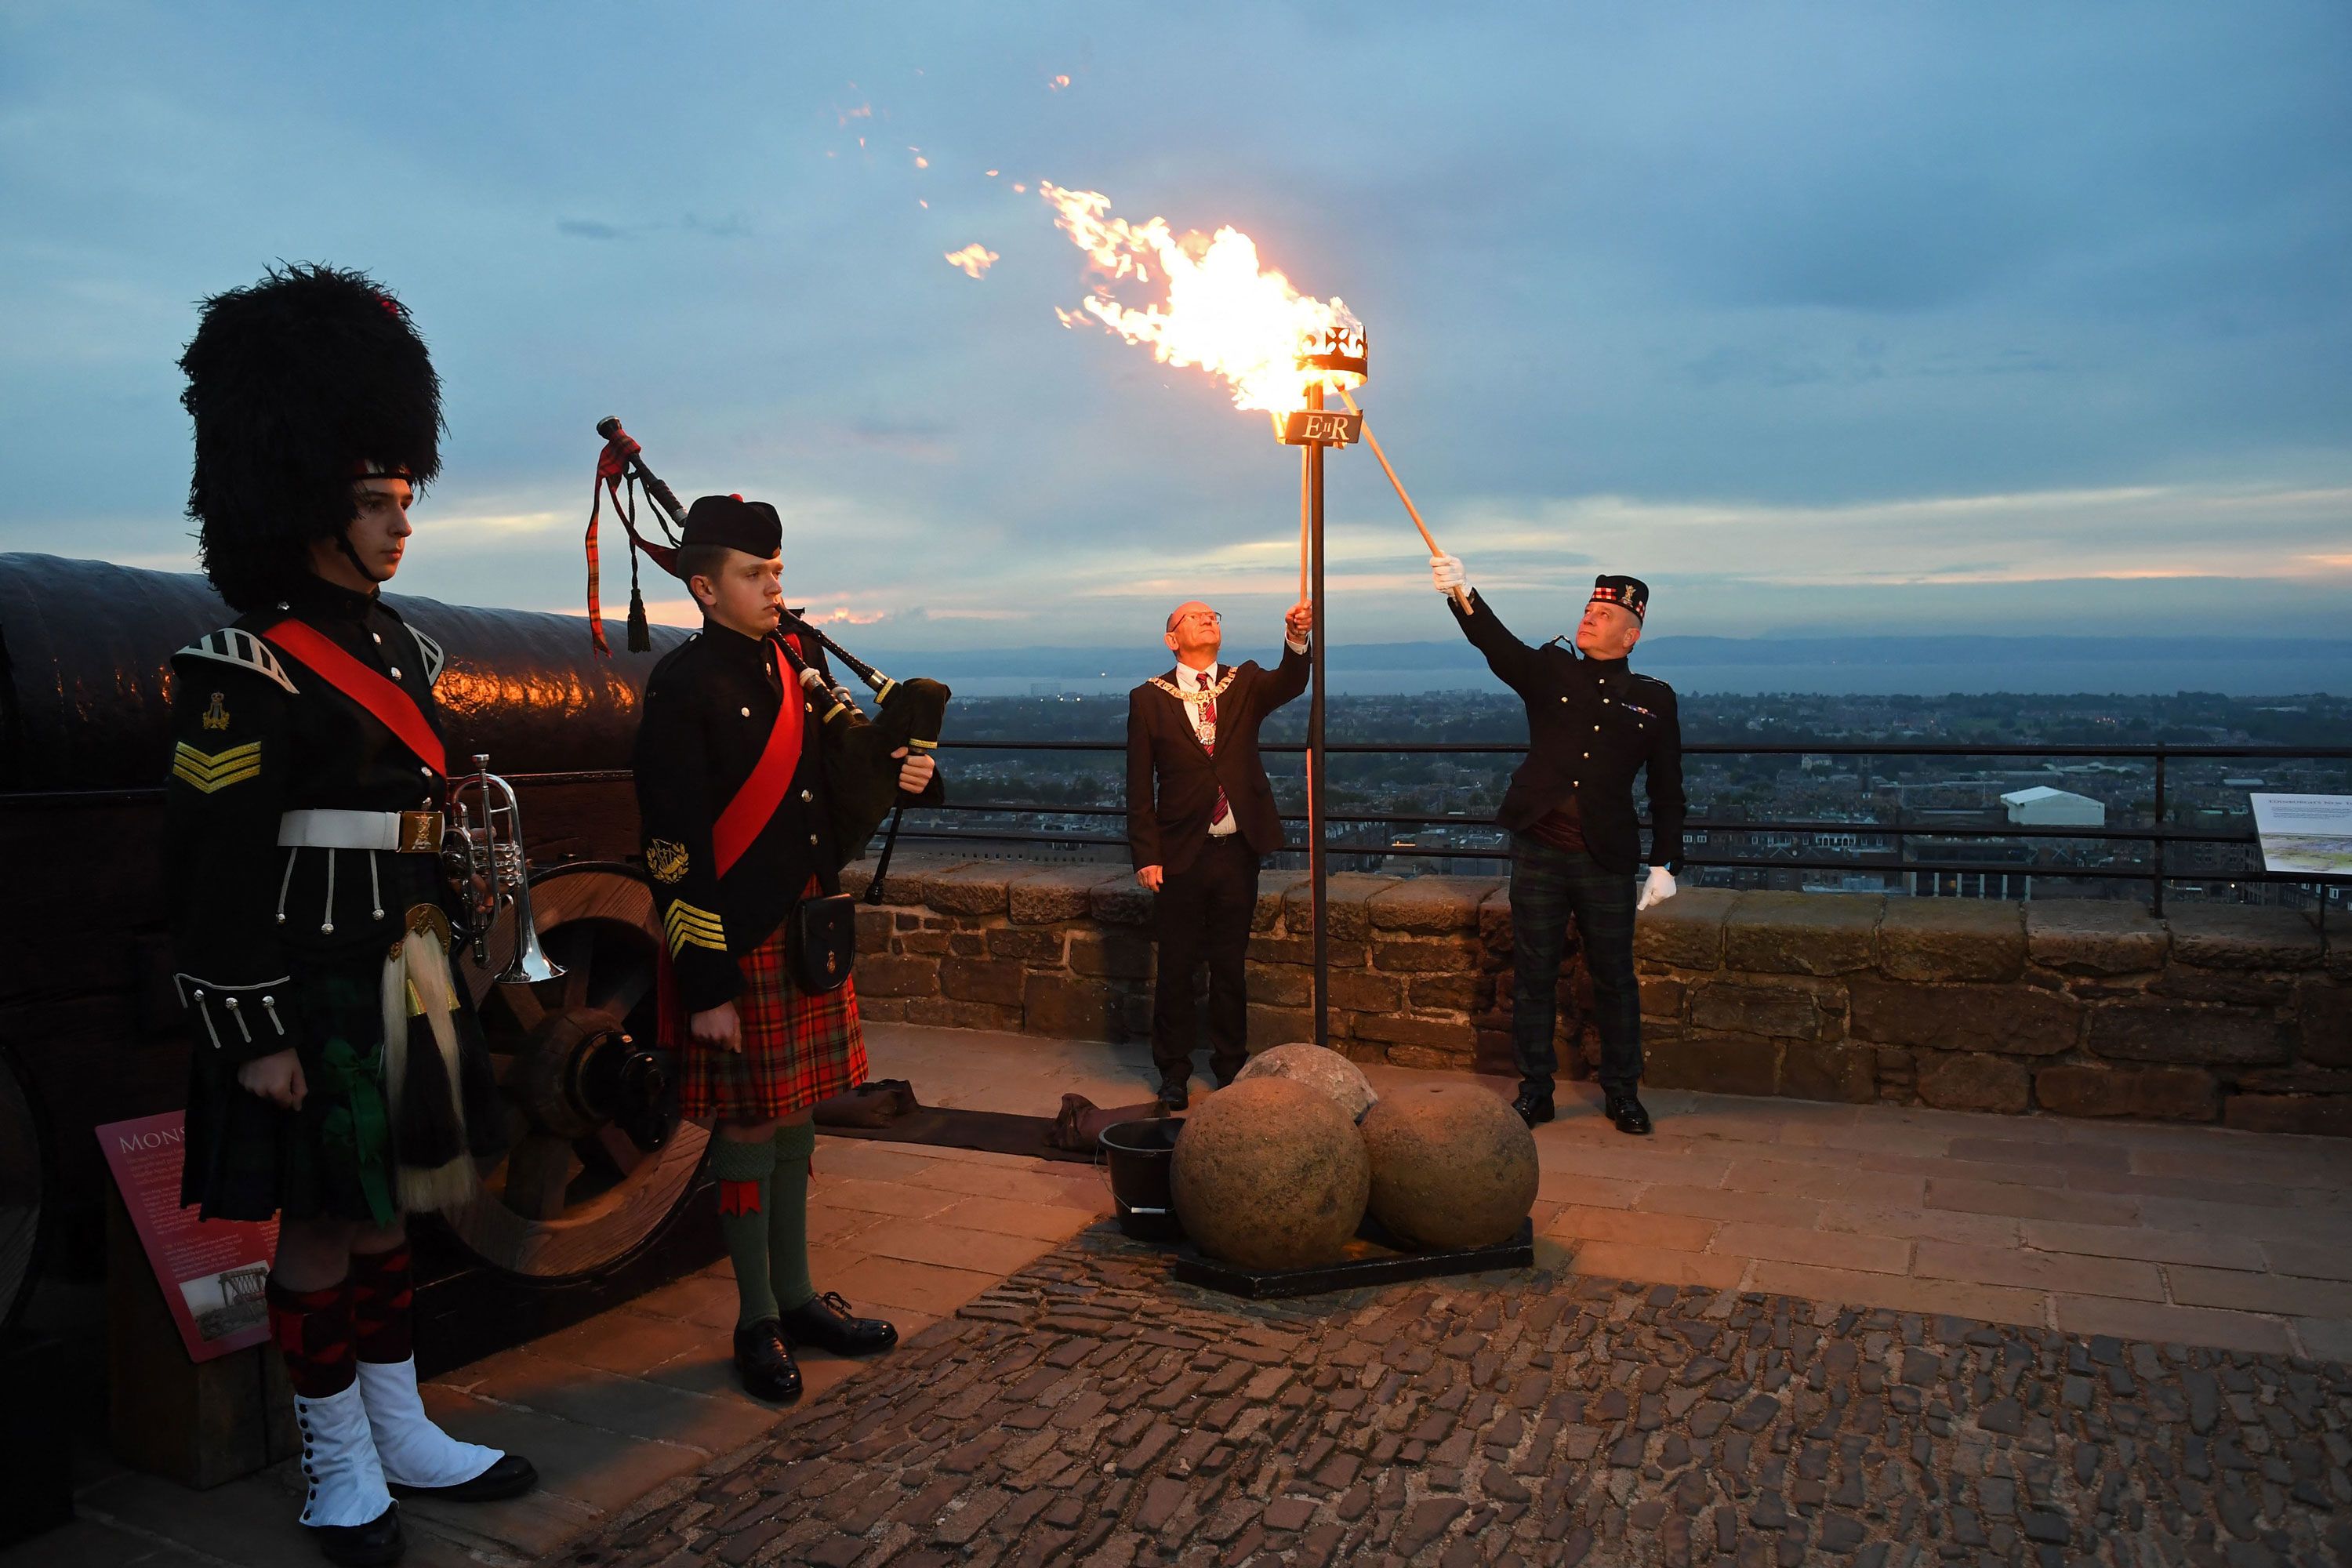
x: 1269, y: 1173
x: 1319, y: 1068
x: 1453, y: 1165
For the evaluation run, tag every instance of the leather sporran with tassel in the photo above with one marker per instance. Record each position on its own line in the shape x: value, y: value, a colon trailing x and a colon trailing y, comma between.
x: 438, y: 1085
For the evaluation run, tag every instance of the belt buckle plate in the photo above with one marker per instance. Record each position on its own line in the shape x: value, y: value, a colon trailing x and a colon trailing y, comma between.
x: 420, y: 833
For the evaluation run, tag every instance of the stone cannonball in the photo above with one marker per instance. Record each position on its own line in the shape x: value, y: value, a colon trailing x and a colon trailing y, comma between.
x: 1453, y: 1165
x: 1326, y: 1071
x: 1268, y: 1173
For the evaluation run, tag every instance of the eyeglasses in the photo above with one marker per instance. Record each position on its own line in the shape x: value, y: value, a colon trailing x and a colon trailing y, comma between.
x: 1211, y: 617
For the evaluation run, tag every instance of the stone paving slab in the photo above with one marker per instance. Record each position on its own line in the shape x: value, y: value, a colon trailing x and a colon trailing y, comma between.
x: 2206, y: 1234
x: 1091, y: 1410
x: 2248, y: 1237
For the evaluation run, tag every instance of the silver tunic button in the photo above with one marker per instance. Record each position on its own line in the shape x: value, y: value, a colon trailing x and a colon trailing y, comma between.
x: 395, y: 672
x: 812, y: 837
x: 806, y: 796
x: 232, y: 1004
x: 747, y: 712
x: 378, y: 636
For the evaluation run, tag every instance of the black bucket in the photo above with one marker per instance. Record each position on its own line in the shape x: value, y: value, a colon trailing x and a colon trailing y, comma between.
x: 1139, y: 1155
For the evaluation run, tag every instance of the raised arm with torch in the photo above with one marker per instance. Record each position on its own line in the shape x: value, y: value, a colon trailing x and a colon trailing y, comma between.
x: 1593, y: 725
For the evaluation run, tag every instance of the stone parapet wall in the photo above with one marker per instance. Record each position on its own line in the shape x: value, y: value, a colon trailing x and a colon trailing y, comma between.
x: 2078, y: 1008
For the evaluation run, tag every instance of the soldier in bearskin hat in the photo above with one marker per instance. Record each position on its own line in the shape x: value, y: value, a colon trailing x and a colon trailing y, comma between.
x: 339, y: 1079
x: 1593, y: 726
x: 740, y: 725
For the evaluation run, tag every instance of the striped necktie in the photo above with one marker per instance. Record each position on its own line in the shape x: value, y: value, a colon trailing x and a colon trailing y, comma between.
x: 1207, y: 728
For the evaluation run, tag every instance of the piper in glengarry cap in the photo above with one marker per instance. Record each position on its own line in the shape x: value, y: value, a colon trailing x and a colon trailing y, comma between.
x: 1593, y: 724
x: 741, y: 843
x: 330, y: 1084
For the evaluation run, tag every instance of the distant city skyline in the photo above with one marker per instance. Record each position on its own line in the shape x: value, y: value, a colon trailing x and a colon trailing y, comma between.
x: 1822, y: 318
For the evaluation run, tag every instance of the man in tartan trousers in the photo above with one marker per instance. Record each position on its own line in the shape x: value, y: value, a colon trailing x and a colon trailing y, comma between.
x: 737, y: 830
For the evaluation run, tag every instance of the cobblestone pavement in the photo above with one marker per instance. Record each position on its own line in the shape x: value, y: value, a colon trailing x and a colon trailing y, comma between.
x: 1088, y: 1410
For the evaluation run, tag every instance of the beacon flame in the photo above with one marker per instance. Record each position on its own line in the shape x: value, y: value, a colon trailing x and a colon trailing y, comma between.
x: 1222, y: 312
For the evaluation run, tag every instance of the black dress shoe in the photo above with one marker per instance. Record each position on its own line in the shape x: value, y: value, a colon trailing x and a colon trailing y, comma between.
x: 1627, y: 1113
x: 824, y: 1321
x: 375, y: 1544
x: 764, y: 1362
x: 1533, y: 1105
x: 1175, y: 1093
x: 510, y: 1475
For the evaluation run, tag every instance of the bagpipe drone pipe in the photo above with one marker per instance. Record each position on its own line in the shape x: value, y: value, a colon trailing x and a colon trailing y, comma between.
x: 861, y: 772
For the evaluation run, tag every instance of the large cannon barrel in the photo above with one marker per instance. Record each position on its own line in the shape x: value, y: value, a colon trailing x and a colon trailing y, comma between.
x: 85, y: 677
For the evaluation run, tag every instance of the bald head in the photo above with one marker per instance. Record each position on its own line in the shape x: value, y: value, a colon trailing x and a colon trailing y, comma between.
x: 1194, y: 633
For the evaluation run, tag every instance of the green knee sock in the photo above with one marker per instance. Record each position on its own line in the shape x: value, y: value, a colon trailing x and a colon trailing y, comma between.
x: 788, y: 1264
x: 744, y: 1197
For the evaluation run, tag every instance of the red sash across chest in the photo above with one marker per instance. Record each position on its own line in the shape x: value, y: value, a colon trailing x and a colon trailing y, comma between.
x: 383, y: 699
x: 738, y: 828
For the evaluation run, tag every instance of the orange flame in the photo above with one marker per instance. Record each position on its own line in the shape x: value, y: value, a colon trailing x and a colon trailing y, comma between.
x: 972, y: 260
x: 1222, y: 313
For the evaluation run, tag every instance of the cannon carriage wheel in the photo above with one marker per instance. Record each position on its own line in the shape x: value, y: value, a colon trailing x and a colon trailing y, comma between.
x: 597, y: 1159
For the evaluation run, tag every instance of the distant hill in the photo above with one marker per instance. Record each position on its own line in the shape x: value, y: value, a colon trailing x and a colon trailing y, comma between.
x: 1664, y: 652
x: 1923, y: 665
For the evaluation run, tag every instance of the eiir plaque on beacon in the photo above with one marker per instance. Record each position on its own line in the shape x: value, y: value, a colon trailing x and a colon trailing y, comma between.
x: 1321, y: 427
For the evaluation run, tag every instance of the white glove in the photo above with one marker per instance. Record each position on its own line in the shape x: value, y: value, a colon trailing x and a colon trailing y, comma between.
x: 1446, y: 572
x: 1656, y: 890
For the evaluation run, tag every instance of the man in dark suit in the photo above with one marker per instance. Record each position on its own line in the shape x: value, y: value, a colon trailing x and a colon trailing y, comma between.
x: 1593, y: 725
x: 1200, y: 819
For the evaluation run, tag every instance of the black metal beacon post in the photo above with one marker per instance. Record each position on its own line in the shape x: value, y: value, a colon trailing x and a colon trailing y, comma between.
x: 1342, y: 356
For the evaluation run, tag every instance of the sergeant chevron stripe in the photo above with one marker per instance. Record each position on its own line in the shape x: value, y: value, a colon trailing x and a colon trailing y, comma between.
x: 687, y: 925
x: 209, y: 771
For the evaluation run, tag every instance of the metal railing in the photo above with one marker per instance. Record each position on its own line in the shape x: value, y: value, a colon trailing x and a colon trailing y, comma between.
x: 2157, y: 836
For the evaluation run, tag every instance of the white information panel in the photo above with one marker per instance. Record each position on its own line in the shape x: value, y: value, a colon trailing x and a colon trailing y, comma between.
x: 2304, y: 835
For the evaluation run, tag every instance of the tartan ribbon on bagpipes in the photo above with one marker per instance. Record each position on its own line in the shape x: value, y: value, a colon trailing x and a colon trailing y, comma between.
x: 613, y: 476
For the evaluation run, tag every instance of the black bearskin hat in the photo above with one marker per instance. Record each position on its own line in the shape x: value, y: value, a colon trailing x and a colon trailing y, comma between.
x: 300, y: 385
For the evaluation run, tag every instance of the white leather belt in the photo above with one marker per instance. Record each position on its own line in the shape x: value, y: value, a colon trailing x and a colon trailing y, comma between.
x: 394, y: 831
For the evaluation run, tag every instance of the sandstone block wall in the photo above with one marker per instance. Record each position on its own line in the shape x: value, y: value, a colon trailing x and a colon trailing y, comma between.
x: 2077, y: 1008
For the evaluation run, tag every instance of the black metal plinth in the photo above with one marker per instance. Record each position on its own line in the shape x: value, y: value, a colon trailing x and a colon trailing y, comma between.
x: 1374, y: 1258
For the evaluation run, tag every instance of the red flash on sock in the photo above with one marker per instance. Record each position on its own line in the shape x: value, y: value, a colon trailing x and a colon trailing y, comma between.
x: 738, y: 1198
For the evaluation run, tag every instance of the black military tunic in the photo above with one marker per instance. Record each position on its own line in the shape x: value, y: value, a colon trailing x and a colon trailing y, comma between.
x: 1593, y: 725
x: 711, y: 705
x: 286, y: 947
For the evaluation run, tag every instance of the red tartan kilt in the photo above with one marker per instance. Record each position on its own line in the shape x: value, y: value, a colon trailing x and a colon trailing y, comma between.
x: 798, y: 1048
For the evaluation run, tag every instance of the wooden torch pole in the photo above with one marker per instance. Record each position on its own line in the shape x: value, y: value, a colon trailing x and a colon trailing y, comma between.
x: 1461, y: 596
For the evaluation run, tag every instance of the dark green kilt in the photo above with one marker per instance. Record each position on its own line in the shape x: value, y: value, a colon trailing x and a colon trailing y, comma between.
x: 334, y: 1157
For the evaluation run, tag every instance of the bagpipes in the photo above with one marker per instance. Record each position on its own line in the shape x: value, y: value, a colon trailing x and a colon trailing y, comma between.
x: 861, y: 776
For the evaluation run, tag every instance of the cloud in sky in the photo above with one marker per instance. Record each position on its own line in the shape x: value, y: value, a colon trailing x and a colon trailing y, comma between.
x: 1928, y: 317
